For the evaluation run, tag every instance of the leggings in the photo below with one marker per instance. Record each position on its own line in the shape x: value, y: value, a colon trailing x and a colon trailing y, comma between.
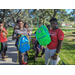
x: 37, y: 51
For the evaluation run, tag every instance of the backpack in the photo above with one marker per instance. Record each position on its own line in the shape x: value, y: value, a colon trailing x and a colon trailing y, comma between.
x: 23, y: 44
x: 43, y: 36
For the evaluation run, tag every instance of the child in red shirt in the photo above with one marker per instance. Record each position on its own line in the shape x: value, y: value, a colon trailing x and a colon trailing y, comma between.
x: 3, y: 40
x: 54, y: 47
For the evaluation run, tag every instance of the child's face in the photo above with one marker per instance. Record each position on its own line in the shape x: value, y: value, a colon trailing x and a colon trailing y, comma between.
x: 53, y: 24
x: 20, y: 24
x: 1, y: 25
x: 26, y: 26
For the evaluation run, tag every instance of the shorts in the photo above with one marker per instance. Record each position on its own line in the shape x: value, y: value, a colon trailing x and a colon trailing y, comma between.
x: 3, y: 47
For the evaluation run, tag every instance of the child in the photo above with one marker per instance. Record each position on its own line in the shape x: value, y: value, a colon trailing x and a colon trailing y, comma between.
x: 37, y: 48
x: 53, y: 49
x: 26, y: 26
x: 3, y: 41
x: 17, y: 32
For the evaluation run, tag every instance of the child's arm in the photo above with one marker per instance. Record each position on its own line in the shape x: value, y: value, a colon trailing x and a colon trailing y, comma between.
x: 3, y: 30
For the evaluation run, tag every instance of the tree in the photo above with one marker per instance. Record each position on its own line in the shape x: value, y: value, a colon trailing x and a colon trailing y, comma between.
x: 46, y: 14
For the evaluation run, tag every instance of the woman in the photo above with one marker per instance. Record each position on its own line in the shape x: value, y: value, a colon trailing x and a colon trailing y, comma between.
x: 17, y: 32
x: 53, y: 49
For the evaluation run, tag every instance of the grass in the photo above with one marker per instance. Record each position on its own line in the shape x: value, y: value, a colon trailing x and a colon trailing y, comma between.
x: 10, y: 31
x: 67, y: 53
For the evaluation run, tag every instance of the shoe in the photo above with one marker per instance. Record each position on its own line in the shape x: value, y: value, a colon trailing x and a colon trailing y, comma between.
x: 41, y: 55
x: 6, y: 56
x: 36, y: 58
x: 23, y: 63
x: 4, y: 59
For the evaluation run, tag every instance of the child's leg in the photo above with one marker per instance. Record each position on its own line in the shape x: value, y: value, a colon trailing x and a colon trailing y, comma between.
x: 20, y: 58
x: 25, y: 57
x: 2, y: 50
x: 47, y: 56
x: 43, y: 51
x: 5, y: 49
x: 37, y: 52
x: 53, y: 62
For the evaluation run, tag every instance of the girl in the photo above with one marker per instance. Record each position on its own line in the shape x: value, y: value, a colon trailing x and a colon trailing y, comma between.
x: 37, y: 47
x: 3, y: 41
x: 17, y: 32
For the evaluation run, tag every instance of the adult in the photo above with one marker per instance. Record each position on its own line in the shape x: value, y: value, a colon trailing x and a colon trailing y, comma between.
x: 17, y: 32
x: 53, y: 49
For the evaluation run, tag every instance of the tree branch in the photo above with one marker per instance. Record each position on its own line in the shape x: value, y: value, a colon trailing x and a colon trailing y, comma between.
x: 54, y: 13
x: 12, y: 16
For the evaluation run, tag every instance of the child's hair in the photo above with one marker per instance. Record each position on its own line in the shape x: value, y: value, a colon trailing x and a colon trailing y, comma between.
x: 37, y: 43
x: 53, y: 19
x: 19, y: 20
x: 48, y: 26
x: 25, y: 24
x: 1, y: 22
x: 35, y: 33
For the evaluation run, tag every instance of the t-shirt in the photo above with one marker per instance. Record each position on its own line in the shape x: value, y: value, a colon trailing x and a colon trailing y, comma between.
x: 55, y: 36
x: 19, y: 32
x: 2, y: 38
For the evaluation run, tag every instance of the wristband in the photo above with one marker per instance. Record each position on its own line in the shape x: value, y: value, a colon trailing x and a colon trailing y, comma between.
x: 56, y: 53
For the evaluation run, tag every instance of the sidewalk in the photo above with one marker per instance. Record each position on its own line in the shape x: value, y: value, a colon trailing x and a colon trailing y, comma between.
x: 12, y: 51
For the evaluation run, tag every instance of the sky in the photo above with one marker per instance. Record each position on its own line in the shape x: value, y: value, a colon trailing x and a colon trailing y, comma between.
x: 69, y: 10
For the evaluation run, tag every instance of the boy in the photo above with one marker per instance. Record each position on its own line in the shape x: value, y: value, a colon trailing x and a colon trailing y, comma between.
x: 53, y: 49
x: 3, y: 41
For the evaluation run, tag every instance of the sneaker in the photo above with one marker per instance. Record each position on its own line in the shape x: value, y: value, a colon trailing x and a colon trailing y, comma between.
x: 35, y: 58
x: 6, y: 56
x: 4, y: 59
x: 41, y: 55
x: 23, y: 63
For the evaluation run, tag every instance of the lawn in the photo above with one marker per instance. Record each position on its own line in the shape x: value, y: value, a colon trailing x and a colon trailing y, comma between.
x: 10, y: 31
x: 67, y: 53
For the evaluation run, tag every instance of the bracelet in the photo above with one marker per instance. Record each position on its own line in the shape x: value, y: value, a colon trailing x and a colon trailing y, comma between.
x: 56, y: 53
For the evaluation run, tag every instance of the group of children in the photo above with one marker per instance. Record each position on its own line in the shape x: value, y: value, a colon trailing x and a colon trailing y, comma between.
x: 52, y: 50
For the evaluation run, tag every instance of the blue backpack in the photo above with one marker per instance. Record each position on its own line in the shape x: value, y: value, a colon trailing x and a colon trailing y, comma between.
x: 23, y: 44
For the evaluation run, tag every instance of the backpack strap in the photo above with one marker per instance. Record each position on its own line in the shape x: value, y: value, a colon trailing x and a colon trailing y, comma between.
x: 45, y: 31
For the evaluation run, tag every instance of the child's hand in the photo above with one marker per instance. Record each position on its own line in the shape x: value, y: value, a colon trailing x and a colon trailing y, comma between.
x: 21, y: 33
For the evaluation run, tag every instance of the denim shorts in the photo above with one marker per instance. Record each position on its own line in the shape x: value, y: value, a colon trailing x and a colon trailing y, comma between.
x: 3, y: 47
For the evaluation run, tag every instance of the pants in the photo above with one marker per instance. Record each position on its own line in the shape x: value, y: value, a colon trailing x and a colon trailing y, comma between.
x: 3, y: 47
x: 37, y: 51
x: 22, y: 56
x: 48, y: 54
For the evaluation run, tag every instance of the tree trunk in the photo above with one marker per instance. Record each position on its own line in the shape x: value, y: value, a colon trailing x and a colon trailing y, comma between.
x: 54, y: 13
x: 43, y: 21
x: 4, y: 19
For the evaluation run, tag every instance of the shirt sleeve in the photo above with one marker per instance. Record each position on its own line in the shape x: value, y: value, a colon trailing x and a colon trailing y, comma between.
x: 14, y: 33
x: 26, y: 31
x: 60, y: 34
